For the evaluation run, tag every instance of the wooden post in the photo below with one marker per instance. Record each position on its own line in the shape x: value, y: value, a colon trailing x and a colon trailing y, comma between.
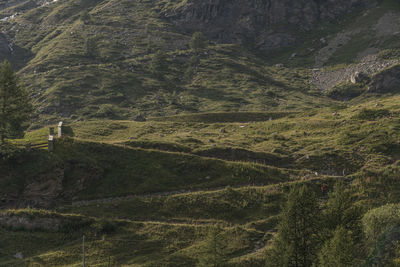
x: 83, y: 251
x: 60, y: 124
x: 51, y: 143
x: 51, y: 130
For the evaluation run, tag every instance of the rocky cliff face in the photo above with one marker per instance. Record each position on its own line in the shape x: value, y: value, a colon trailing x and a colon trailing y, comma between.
x: 266, y: 23
x: 387, y: 81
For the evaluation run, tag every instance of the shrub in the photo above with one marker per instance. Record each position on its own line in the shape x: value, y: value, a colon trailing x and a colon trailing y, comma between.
x: 371, y: 114
x: 345, y: 91
x: 390, y: 54
x: 198, y: 41
x: 104, y: 226
x: 107, y: 110
x: 73, y: 224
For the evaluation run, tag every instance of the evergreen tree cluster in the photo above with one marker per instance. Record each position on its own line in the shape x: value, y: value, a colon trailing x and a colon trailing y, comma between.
x: 15, y: 107
x: 315, y: 233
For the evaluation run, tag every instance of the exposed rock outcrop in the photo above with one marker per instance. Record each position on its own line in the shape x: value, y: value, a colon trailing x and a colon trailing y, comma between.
x: 46, y: 188
x: 371, y: 64
x: 29, y: 223
x: 265, y: 23
x: 34, y: 220
x: 386, y: 81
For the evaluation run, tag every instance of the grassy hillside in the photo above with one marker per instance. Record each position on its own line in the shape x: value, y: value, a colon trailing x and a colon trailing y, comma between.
x: 167, y: 183
x: 230, y: 130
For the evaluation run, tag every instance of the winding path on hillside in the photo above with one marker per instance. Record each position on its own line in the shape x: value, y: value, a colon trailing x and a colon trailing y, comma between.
x: 79, y: 203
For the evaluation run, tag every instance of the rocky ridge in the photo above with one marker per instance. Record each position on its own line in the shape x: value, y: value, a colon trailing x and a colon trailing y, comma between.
x: 266, y: 24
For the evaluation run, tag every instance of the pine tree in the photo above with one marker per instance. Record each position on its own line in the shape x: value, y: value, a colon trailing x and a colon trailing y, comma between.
x: 15, y: 107
x: 297, y: 240
x: 214, y: 249
x: 339, y: 201
x: 158, y: 64
x: 338, y: 251
x: 340, y: 211
x: 198, y: 41
x: 192, y: 67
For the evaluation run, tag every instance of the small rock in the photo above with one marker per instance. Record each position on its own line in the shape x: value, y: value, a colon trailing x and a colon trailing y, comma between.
x: 19, y: 255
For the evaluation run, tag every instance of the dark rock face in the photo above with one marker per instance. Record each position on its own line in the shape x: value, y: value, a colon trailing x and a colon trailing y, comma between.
x: 386, y: 82
x: 31, y: 224
x: 4, y: 46
x: 265, y: 23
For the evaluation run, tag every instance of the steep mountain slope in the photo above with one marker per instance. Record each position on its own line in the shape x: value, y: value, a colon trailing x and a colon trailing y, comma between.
x: 84, y: 59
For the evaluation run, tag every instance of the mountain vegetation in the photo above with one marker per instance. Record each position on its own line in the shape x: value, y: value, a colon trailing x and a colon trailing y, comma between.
x: 200, y: 133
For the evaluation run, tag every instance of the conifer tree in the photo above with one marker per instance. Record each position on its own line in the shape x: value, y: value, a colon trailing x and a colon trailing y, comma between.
x: 340, y: 211
x: 343, y: 229
x: 339, y: 201
x: 214, y: 249
x: 339, y: 250
x: 15, y: 107
x: 158, y: 64
x: 297, y: 240
x: 198, y: 41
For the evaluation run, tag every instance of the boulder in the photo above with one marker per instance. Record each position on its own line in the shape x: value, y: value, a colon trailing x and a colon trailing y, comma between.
x: 358, y: 77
